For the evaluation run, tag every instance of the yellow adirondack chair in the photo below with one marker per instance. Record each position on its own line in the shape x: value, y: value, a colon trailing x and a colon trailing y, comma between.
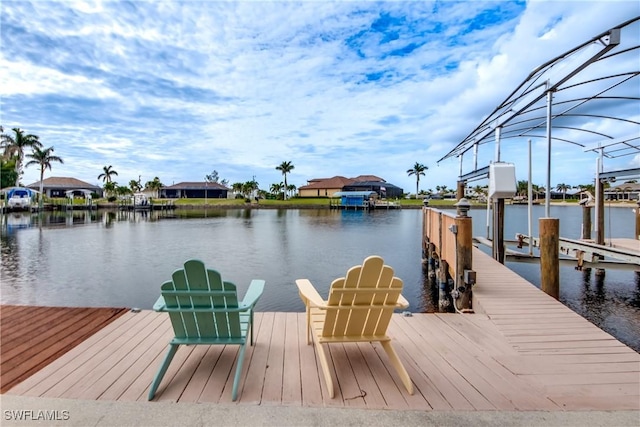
x: 358, y: 309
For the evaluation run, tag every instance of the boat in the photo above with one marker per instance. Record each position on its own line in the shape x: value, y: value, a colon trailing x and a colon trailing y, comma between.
x: 19, y: 198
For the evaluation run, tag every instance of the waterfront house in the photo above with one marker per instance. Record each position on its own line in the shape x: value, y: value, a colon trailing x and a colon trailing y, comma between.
x: 628, y: 191
x: 56, y: 186
x: 326, y: 187
x: 195, y: 190
x: 323, y: 187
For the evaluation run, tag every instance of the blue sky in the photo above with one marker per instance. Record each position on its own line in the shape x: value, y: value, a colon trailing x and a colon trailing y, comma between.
x: 178, y: 89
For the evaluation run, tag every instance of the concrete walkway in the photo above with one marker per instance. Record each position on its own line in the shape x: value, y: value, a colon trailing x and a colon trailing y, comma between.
x: 36, y: 411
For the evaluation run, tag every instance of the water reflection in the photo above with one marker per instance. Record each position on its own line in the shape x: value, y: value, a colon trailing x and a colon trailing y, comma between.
x: 21, y: 220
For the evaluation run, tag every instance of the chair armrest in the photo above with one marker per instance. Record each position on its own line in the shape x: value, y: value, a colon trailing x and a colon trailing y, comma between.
x: 309, y: 294
x: 256, y: 287
x: 402, y: 302
x: 160, y: 305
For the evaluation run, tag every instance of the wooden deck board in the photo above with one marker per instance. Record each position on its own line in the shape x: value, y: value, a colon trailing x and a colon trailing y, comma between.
x: 522, y: 351
x: 449, y: 370
x: 33, y: 337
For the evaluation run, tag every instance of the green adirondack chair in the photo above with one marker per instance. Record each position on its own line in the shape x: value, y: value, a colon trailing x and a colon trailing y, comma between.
x: 205, y: 310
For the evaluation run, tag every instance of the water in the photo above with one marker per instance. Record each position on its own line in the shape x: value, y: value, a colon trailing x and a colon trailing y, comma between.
x: 119, y: 259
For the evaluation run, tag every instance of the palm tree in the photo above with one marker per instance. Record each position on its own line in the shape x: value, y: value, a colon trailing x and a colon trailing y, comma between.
x: 106, y: 176
x: 237, y: 187
x: 155, y: 186
x: 276, y: 189
x: 522, y: 188
x: 110, y: 188
x: 43, y: 158
x: 285, y: 168
x: 123, y: 190
x: 480, y: 191
x: 249, y: 187
x: 291, y: 188
x: 418, y: 169
x: 563, y: 188
x: 135, y: 185
x: 14, y: 147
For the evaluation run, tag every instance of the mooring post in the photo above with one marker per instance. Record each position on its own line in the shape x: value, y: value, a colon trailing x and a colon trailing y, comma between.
x: 464, y: 261
x: 460, y: 189
x: 600, y: 214
x: 444, y: 295
x: 549, y: 256
x: 586, y: 222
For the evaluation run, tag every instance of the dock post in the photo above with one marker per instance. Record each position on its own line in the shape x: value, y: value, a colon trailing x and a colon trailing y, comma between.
x: 600, y: 212
x: 549, y: 256
x: 460, y: 189
x: 586, y: 222
x: 444, y: 295
x: 464, y: 261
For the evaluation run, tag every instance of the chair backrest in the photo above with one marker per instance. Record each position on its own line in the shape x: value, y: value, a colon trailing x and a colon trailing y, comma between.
x: 362, y: 302
x: 198, y: 302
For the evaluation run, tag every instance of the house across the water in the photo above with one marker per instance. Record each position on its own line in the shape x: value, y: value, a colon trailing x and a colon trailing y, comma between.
x: 56, y: 186
x: 195, y: 190
x: 327, y: 187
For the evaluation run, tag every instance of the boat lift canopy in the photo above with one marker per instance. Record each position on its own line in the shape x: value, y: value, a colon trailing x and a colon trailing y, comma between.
x: 594, y: 83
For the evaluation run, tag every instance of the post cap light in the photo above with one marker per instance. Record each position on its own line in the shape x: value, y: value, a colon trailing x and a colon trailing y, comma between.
x: 463, y: 207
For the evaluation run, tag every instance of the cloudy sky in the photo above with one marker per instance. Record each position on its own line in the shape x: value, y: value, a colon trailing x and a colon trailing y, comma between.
x: 179, y: 89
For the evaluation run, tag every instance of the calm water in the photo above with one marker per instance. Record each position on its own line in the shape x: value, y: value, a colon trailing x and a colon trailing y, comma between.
x: 119, y: 259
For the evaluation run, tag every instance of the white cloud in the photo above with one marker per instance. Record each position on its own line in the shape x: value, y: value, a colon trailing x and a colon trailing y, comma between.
x: 177, y: 89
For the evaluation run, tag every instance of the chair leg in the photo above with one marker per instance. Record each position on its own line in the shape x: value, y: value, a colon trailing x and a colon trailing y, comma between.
x: 324, y: 362
x: 397, y: 364
x: 163, y: 369
x: 308, y: 325
x: 251, y: 325
x: 236, y: 378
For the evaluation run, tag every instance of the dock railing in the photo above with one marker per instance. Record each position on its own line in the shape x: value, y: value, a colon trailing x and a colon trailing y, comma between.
x: 447, y: 242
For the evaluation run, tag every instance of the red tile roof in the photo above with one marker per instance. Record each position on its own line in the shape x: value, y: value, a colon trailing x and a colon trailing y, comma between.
x: 337, y: 182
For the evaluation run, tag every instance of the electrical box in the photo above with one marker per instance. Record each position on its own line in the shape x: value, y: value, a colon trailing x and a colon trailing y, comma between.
x: 502, y: 180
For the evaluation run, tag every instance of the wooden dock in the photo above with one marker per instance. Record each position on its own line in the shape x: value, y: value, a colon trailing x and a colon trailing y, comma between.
x: 522, y: 350
x: 33, y: 337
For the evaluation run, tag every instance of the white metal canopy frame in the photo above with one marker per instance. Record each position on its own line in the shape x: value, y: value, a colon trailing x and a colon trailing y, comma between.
x: 589, y: 96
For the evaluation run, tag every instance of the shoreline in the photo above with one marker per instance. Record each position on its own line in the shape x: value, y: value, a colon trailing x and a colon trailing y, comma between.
x: 323, y: 206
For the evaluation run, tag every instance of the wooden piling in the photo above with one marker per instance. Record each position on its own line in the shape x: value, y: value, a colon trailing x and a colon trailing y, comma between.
x: 600, y: 207
x: 444, y: 297
x: 464, y: 261
x: 586, y: 222
x: 549, y: 256
x: 460, y: 189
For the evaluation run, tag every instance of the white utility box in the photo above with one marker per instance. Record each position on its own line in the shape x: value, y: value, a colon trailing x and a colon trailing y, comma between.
x: 502, y: 180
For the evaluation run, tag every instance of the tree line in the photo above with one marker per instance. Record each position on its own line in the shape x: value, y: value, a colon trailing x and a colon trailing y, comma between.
x: 15, y: 146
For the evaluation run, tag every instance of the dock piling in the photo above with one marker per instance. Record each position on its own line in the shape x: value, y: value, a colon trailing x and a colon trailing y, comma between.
x: 550, y: 256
